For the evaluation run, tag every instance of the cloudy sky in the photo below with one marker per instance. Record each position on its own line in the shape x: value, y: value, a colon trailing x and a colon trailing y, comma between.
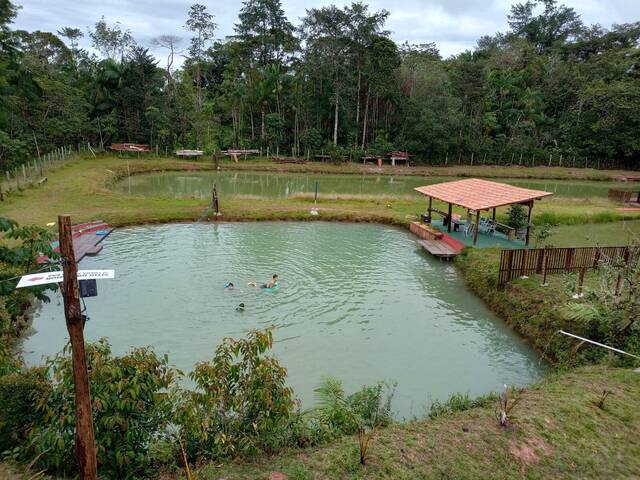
x: 454, y: 25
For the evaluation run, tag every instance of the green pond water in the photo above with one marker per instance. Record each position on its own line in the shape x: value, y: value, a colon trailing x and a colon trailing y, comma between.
x: 282, y: 185
x: 359, y: 302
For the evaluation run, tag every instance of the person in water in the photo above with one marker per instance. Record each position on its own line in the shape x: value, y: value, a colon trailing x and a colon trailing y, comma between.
x: 230, y: 286
x: 271, y: 283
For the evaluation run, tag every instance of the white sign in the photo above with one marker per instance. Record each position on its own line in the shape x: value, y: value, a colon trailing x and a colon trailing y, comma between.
x: 35, y: 279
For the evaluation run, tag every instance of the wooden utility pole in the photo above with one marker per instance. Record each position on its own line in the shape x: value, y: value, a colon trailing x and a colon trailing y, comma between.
x: 85, y: 444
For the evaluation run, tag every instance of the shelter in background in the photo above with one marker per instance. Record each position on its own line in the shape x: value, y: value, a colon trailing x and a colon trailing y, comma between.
x: 129, y: 147
x: 476, y: 195
x: 189, y: 153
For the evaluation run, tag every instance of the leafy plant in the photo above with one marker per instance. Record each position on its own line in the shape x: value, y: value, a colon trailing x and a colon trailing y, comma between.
x: 517, y: 216
x: 20, y: 393
x: 609, y: 310
x: 362, y: 412
x: 131, y: 407
x: 241, y: 404
x: 459, y: 402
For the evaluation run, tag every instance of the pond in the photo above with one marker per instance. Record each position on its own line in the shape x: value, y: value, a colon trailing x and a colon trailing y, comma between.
x: 282, y: 185
x: 359, y: 302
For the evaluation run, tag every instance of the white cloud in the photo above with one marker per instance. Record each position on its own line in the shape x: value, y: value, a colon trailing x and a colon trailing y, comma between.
x: 454, y: 25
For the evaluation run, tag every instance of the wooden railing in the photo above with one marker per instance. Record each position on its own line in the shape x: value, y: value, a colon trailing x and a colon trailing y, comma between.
x: 516, y: 263
x: 619, y: 195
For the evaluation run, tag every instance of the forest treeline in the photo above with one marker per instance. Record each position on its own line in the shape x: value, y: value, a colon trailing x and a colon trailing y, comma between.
x: 549, y: 91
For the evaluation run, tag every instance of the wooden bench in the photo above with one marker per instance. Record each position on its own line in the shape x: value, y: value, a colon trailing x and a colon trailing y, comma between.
x: 399, y: 157
x: 508, y: 230
x: 445, y: 215
x: 42, y: 181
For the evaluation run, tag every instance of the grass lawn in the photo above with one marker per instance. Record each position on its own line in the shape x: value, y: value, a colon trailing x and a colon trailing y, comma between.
x: 81, y: 187
x: 557, y: 432
x: 514, y: 171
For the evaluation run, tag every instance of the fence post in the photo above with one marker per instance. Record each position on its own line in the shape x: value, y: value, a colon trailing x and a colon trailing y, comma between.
x: 545, y: 265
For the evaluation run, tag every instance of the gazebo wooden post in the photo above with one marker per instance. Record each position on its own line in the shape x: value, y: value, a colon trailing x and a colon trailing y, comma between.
x: 528, y: 223
x: 493, y: 217
x: 475, y: 231
x: 449, y: 218
x: 429, y: 210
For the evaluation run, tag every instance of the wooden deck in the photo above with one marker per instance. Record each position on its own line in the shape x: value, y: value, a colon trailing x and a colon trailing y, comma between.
x: 438, y: 248
x: 87, y: 238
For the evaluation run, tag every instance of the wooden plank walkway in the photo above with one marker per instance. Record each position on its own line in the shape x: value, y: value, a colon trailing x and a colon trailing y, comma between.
x: 438, y: 248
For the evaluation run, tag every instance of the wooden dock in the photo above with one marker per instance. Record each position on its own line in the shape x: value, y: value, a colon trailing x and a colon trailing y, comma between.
x: 438, y: 248
x: 87, y: 239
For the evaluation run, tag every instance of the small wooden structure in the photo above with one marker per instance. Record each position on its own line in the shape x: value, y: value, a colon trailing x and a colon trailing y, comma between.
x: 477, y: 195
x: 375, y: 159
x: 189, y: 153
x: 435, y: 242
x: 398, y: 157
x: 87, y: 239
x: 130, y: 147
x: 235, y: 154
x: 624, y: 196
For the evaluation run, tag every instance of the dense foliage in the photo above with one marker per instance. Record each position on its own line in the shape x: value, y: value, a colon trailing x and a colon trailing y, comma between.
x: 241, y: 404
x: 145, y: 418
x: 550, y: 90
x: 20, y: 247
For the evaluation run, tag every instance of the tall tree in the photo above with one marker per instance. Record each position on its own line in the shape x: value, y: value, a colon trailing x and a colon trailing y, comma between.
x: 201, y: 23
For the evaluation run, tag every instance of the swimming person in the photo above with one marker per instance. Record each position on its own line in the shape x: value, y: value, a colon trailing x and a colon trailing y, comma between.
x: 230, y: 286
x: 271, y: 283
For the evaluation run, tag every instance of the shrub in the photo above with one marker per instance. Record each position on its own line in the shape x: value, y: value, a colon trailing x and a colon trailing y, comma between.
x: 362, y: 412
x: 130, y: 408
x: 459, y: 402
x: 20, y: 393
x: 241, y: 404
x: 517, y: 216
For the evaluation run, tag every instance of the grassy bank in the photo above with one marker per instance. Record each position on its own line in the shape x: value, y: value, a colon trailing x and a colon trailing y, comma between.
x: 488, y: 171
x: 558, y: 432
x: 81, y: 187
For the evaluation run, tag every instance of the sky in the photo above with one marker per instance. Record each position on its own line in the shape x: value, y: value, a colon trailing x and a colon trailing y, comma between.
x: 454, y: 25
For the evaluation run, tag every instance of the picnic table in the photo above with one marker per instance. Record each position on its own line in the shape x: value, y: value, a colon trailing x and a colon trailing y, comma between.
x: 376, y: 159
x: 399, y: 157
x: 189, y: 153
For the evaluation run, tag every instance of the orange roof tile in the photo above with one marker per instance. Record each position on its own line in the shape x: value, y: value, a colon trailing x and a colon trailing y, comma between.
x: 477, y: 194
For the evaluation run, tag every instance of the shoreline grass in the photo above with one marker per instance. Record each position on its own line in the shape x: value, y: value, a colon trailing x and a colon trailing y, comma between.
x: 82, y: 187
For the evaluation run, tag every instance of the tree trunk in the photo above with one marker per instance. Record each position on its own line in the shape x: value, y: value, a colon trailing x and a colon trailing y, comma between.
x: 335, y: 125
x: 364, y: 121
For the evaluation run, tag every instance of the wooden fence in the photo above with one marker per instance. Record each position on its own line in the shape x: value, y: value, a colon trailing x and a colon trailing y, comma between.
x: 619, y: 195
x: 516, y: 263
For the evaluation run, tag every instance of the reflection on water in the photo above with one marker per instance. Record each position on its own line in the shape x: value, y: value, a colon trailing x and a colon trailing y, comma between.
x: 282, y: 185
x: 360, y: 302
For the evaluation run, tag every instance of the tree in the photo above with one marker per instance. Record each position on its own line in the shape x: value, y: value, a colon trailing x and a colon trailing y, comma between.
x: 555, y: 25
x: 265, y: 35
x: 201, y: 23
x: 168, y: 42
x: 111, y: 41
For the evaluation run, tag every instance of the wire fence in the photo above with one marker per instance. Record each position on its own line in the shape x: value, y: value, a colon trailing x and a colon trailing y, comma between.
x: 33, y: 173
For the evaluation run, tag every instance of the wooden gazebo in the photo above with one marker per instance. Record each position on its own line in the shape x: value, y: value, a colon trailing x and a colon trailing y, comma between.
x: 477, y: 195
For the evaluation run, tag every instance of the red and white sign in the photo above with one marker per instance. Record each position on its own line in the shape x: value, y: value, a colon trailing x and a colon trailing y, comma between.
x: 43, y: 278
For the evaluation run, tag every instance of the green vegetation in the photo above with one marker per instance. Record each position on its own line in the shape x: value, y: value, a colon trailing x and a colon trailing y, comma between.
x: 19, y: 250
x: 240, y: 407
x: 554, y: 424
x: 81, y: 187
x: 548, y: 91
x: 538, y: 312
